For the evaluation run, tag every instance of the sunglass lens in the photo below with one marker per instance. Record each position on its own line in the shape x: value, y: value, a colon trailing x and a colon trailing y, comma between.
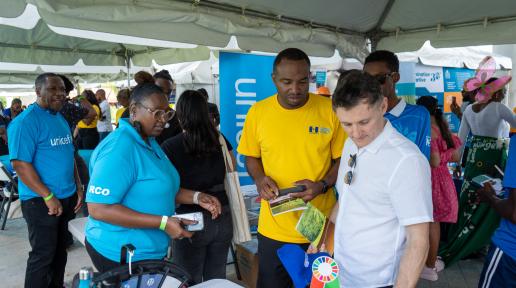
x: 352, y: 160
x: 348, y: 177
x: 381, y: 78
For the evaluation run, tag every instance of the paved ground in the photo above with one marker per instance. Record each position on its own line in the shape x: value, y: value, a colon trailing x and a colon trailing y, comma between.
x: 14, y: 247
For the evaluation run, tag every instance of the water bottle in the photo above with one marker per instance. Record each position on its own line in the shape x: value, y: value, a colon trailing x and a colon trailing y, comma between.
x: 85, y: 276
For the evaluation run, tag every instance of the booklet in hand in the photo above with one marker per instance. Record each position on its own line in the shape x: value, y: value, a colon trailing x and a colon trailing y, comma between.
x: 285, y: 203
x: 316, y: 228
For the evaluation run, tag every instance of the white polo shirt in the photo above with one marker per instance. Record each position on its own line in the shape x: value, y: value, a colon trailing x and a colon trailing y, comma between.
x: 391, y: 188
x: 105, y: 112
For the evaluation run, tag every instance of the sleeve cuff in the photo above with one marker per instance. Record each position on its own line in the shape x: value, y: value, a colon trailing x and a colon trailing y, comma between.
x: 416, y: 220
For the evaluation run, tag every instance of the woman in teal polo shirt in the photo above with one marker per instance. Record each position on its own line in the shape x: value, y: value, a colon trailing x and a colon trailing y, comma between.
x: 133, y: 187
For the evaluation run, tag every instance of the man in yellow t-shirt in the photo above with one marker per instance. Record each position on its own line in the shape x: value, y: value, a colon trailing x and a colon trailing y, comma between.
x: 513, y: 129
x: 291, y: 138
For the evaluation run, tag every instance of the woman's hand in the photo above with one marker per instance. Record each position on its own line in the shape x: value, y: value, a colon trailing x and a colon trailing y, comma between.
x: 175, y: 230
x: 210, y: 203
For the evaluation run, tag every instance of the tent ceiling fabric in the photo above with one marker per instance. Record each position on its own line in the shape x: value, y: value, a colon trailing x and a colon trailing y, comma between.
x: 12, y: 8
x: 318, y: 27
x: 449, y: 24
x: 341, y: 14
x: 7, y: 77
x: 41, y: 45
x: 37, y: 43
x: 180, y: 21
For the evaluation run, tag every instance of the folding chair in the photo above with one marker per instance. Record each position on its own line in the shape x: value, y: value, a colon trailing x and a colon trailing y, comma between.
x: 9, y: 193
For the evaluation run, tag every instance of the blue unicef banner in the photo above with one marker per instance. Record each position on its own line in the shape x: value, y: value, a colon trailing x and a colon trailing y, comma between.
x: 454, y: 78
x: 443, y: 83
x: 406, y: 86
x: 244, y: 80
x: 429, y: 82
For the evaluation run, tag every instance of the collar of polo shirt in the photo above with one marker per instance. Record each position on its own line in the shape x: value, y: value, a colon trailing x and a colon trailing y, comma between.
x: 399, y: 108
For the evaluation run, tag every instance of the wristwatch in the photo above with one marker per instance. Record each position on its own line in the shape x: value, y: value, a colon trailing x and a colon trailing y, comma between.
x: 325, y: 186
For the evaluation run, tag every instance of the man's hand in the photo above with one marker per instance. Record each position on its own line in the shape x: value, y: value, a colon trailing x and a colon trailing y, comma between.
x: 457, y: 172
x: 80, y: 193
x: 267, y: 188
x: 486, y: 193
x: 175, y: 230
x: 54, y: 206
x: 312, y: 190
x: 210, y: 203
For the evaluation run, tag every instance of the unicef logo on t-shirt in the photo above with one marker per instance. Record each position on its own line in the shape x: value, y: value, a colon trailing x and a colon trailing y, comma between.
x: 318, y: 130
x: 61, y: 141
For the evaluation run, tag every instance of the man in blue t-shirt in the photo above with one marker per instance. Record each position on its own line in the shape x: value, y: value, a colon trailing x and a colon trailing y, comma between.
x: 500, y: 265
x: 412, y: 121
x: 42, y: 154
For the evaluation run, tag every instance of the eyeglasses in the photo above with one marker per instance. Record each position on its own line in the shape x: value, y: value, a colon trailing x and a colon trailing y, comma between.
x: 382, y: 78
x: 352, y: 163
x: 159, y: 114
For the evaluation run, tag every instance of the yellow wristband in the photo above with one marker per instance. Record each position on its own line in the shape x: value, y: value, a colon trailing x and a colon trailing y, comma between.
x: 50, y: 196
x: 163, y: 224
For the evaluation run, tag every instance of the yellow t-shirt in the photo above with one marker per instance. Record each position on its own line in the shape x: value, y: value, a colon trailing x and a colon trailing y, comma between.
x: 93, y: 123
x: 293, y: 145
x: 119, y: 113
x: 513, y: 130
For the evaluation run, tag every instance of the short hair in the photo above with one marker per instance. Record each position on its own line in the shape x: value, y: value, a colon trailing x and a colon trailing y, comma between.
x: 290, y: 54
x: 343, y: 75
x: 68, y: 84
x: 356, y: 88
x: 123, y: 93
x: 204, y: 93
x: 16, y: 101
x: 143, y: 91
x: 42, y: 79
x: 386, y: 57
x: 163, y: 74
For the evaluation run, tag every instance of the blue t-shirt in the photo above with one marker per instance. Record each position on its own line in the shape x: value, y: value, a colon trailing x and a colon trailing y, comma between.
x: 7, y: 112
x: 128, y: 171
x: 43, y: 138
x: 413, y: 122
x: 505, y: 236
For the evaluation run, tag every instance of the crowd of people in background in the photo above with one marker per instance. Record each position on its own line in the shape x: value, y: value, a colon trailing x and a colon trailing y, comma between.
x: 372, y: 163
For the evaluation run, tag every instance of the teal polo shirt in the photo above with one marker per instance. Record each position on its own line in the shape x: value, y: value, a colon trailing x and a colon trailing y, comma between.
x: 128, y: 171
x: 43, y: 139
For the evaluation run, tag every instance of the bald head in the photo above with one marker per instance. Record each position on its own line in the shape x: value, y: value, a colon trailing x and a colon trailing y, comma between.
x: 100, y: 95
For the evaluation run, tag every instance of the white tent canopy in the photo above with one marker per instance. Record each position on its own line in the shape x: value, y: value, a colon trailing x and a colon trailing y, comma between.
x: 158, y: 31
x: 468, y: 57
x: 271, y: 25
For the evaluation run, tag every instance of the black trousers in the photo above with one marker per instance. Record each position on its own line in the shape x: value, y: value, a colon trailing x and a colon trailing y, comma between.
x: 88, y: 138
x: 84, y: 175
x: 271, y: 272
x: 204, y: 256
x: 48, y: 236
x: 100, y: 262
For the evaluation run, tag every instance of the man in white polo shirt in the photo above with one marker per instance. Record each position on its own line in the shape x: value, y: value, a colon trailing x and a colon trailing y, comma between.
x: 385, y: 195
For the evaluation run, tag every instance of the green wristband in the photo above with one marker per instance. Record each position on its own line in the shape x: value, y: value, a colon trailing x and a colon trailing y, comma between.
x: 50, y: 196
x: 81, y: 98
x: 163, y: 224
